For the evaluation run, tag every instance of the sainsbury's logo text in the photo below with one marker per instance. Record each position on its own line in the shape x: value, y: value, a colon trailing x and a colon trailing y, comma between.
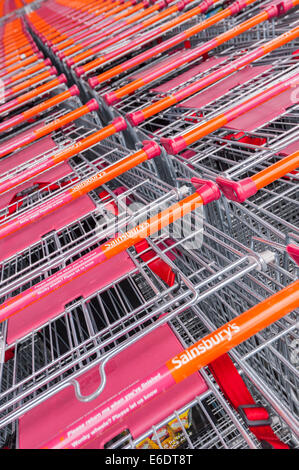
x: 133, y: 233
x: 204, y: 345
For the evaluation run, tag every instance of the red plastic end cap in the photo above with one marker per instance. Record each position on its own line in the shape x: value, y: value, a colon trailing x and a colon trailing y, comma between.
x: 40, y: 55
x: 278, y: 7
x: 181, y: 5
x: 237, y: 6
x: 93, y: 105
x: 62, y: 78
x: 119, y: 124
x: 162, y: 4
x: 293, y: 251
x: 70, y: 62
x: 146, y: 3
x: 174, y: 146
x: 47, y: 62
x: 53, y: 71
x: 74, y: 90
x: 151, y: 149
x: 207, y: 189
x: 205, y: 5
x: 136, y: 118
x: 55, y: 49
x: 237, y: 191
x: 111, y: 98
x: 93, y: 82
x: 61, y: 55
x: 79, y: 71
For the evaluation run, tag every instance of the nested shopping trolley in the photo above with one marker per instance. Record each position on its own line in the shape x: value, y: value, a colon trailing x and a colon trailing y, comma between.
x: 164, y: 277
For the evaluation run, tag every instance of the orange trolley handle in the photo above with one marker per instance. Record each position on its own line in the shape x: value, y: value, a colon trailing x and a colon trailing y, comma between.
x: 117, y: 125
x: 22, y: 99
x: 31, y: 136
x: 150, y: 150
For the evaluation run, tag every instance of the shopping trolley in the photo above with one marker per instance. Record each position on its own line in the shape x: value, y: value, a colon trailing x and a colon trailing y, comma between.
x: 199, y: 271
x: 276, y: 106
x: 201, y: 423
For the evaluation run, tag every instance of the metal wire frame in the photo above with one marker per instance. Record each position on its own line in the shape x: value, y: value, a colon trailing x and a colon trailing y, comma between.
x: 217, y: 425
x: 220, y: 154
x: 266, y: 221
x: 270, y: 356
x: 218, y: 262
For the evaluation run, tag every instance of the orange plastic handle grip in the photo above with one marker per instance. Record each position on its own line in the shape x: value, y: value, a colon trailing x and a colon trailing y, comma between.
x: 32, y: 81
x: 62, y: 121
x: 85, y: 143
x: 39, y: 90
x: 234, y: 332
x: 110, y: 173
x: 276, y: 171
x: 27, y: 72
x: 40, y: 107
